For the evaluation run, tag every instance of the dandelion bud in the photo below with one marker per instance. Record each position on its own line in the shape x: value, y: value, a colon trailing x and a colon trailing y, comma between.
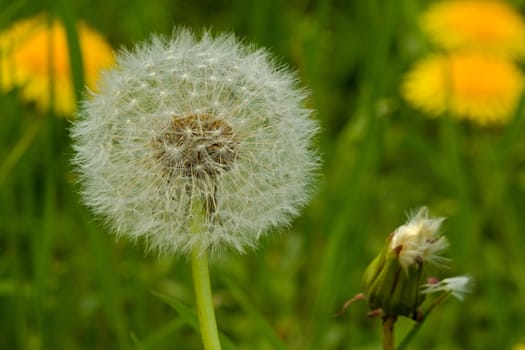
x: 394, y: 278
x: 186, y: 123
x: 389, y: 288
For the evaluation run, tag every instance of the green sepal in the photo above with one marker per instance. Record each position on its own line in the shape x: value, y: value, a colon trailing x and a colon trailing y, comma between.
x: 392, y: 288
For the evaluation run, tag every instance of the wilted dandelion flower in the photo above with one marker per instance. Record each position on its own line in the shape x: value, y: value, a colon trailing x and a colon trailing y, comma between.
x: 396, y: 282
x: 394, y: 278
x: 34, y: 57
x: 469, y: 85
x: 489, y: 26
x: 195, y: 122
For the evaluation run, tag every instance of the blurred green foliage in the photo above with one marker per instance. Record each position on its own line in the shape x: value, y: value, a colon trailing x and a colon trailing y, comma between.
x: 66, y: 284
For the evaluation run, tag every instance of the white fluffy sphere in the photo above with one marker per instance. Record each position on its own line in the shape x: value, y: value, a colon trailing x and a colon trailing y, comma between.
x: 195, y: 120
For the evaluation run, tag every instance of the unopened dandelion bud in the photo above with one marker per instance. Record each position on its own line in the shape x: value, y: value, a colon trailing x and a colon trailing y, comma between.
x: 396, y: 282
x: 392, y: 288
x: 394, y: 278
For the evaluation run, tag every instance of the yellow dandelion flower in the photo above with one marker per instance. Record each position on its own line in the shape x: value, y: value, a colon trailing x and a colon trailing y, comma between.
x: 520, y: 346
x: 468, y: 85
x: 25, y: 52
x: 489, y: 26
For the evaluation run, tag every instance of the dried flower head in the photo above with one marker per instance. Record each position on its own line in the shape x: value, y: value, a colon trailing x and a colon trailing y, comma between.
x: 393, y: 280
x: 469, y: 85
x: 34, y: 57
x: 196, y: 122
x: 488, y: 26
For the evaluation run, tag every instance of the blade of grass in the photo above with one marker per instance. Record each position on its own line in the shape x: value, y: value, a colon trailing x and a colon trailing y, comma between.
x: 42, y: 242
x: 14, y: 292
x: 137, y: 342
x: 19, y: 149
x: 154, y: 340
x: 254, y: 314
x: 10, y: 11
x: 456, y: 177
x: 69, y: 19
x: 514, y: 130
x: 190, y: 318
x: 29, y: 221
x: 110, y: 291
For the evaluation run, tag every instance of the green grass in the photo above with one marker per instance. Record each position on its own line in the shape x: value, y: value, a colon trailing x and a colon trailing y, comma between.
x: 65, y: 283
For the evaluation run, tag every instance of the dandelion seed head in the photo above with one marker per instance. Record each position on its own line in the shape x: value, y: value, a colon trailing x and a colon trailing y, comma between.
x: 218, y: 123
x: 196, y: 146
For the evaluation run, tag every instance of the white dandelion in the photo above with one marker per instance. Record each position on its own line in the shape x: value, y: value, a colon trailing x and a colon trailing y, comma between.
x: 191, y: 122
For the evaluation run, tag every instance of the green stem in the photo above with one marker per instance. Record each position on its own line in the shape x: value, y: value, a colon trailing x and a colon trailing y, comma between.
x: 388, y: 332
x: 203, y: 297
x: 201, y: 283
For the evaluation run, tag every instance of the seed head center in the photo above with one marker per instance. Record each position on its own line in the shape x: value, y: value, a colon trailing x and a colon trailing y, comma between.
x: 196, y: 146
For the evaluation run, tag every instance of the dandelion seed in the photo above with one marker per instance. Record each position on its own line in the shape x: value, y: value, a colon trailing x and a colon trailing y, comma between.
x: 458, y: 286
x: 470, y: 86
x: 492, y: 27
x: 25, y: 61
x: 238, y: 140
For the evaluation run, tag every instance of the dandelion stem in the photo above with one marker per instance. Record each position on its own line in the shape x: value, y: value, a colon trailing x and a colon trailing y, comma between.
x: 201, y: 283
x: 203, y: 297
x: 388, y: 332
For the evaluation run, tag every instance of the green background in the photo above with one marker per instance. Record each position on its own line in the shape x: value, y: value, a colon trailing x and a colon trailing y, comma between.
x: 65, y: 283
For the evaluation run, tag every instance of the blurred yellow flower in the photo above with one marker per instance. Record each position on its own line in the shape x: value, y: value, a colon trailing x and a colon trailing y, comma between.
x: 489, y: 26
x: 519, y: 346
x: 34, y: 57
x: 468, y: 85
